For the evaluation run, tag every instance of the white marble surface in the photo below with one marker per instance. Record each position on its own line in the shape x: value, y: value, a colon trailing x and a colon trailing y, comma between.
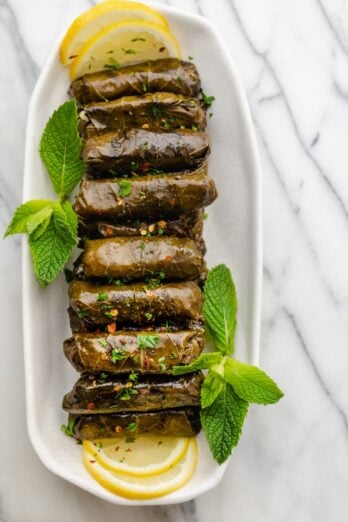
x: 292, y: 461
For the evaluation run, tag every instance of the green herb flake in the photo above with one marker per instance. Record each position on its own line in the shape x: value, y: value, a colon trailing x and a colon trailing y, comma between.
x: 118, y: 355
x: 132, y: 426
x: 129, y: 440
x: 138, y: 39
x: 147, y: 341
x: 129, y: 51
x: 102, y: 296
x: 162, y: 363
x: 69, y: 428
x: 113, y: 64
x: 148, y: 315
x: 103, y: 343
x: 125, y: 188
x: 207, y: 100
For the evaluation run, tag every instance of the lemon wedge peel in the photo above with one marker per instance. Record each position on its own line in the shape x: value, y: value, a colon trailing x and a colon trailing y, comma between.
x: 85, y: 25
x: 112, y: 36
x: 175, y: 454
x: 144, y: 488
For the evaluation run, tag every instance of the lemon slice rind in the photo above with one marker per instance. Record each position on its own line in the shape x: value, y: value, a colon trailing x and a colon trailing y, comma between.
x: 91, y: 21
x: 175, y: 454
x: 92, y: 56
x: 144, y: 488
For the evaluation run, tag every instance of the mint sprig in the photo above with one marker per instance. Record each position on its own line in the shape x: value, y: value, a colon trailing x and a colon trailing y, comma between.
x: 229, y: 385
x: 52, y: 225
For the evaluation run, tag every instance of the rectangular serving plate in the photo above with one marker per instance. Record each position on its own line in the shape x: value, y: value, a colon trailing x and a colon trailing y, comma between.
x: 232, y: 233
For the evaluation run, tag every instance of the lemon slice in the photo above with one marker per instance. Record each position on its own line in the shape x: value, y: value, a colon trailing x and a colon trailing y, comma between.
x: 139, y: 456
x: 124, y: 42
x: 99, y: 16
x: 140, y: 488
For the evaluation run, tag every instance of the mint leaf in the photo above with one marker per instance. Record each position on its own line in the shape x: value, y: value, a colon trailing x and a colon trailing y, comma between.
x: 65, y: 220
x: 204, y: 361
x: 60, y: 149
x: 220, y: 307
x: 250, y: 383
x: 223, y: 422
x: 23, y: 214
x: 71, y: 218
x: 41, y: 218
x: 212, y: 387
x: 50, y: 251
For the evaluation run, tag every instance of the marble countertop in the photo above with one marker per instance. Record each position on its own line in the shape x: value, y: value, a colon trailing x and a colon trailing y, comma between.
x: 292, y: 461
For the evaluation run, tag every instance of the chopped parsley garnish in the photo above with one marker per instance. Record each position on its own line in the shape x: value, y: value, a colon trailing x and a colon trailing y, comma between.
x: 207, y: 100
x: 132, y: 426
x: 82, y: 314
x: 102, y: 296
x: 148, y: 315
x: 130, y: 440
x: 113, y: 64
x: 162, y: 363
x: 125, y: 188
x: 145, y: 87
x: 102, y: 377
x: 205, y: 215
x: 147, y: 341
x: 138, y: 39
x: 117, y: 355
x: 133, y: 377
x: 142, y: 245
x: 68, y: 429
x: 194, y: 128
x: 129, y: 51
x: 190, y: 58
x: 103, y: 343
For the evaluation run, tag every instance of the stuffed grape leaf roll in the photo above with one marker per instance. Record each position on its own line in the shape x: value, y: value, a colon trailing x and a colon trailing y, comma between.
x: 153, y: 111
x: 169, y: 75
x: 124, y: 351
x: 145, y: 197
x: 140, y: 150
x: 137, y: 257
x: 129, y: 393
x: 137, y: 303
x: 190, y: 225
x: 181, y: 422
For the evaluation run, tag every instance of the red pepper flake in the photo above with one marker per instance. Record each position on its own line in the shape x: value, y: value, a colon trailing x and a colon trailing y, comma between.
x: 147, y: 361
x: 168, y: 259
x: 109, y: 231
x: 90, y: 406
x: 118, y: 429
x: 112, y: 327
x: 146, y: 166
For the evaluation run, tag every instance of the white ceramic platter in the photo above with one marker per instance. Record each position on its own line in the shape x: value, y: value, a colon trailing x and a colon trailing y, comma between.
x: 232, y: 233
